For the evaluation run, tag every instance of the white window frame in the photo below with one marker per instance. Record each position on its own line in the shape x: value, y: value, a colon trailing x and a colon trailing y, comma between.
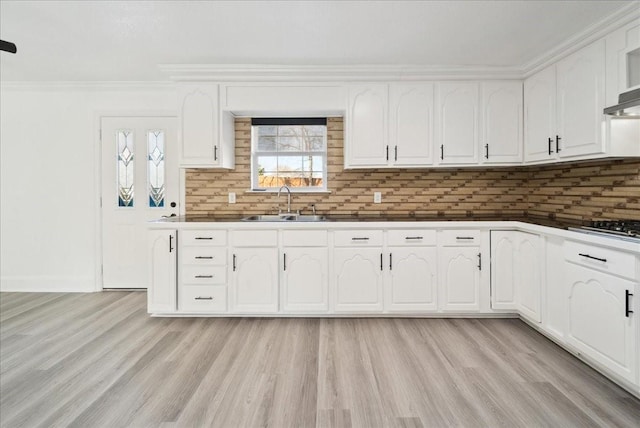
x: 254, y: 163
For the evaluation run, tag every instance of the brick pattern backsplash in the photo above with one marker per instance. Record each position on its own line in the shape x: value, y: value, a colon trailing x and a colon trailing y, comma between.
x: 604, y: 189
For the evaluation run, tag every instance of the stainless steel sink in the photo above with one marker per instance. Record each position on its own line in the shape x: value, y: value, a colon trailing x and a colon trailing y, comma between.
x: 285, y: 218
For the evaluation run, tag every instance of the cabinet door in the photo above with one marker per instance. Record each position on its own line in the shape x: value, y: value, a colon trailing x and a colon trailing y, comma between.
x: 255, y: 280
x: 367, y: 142
x: 198, y: 125
x: 503, y: 269
x: 501, y: 122
x: 358, y: 279
x: 305, y: 279
x: 555, y: 307
x: 457, y: 123
x: 529, y: 268
x: 581, y: 98
x: 411, y: 132
x: 459, y: 274
x: 540, y: 115
x: 411, y: 284
x: 598, y: 325
x: 161, y: 294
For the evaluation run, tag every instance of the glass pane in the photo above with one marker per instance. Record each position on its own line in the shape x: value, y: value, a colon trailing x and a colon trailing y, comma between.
x: 155, y: 168
x: 289, y: 144
x: 125, y: 168
x: 267, y: 130
x: 266, y: 144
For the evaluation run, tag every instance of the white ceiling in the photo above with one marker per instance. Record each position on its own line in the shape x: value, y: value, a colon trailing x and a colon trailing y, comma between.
x: 126, y: 40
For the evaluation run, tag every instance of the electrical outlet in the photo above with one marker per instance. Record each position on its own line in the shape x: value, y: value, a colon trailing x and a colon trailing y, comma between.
x: 232, y: 197
x: 377, y: 197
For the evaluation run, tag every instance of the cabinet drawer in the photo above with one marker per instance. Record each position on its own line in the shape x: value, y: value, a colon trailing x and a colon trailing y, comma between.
x: 210, y: 298
x: 460, y: 238
x: 304, y: 238
x: 411, y: 237
x: 600, y: 258
x: 203, y: 256
x: 255, y: 238
x: 203, y: 274
x: 357, y: 238
x: 203, y: 237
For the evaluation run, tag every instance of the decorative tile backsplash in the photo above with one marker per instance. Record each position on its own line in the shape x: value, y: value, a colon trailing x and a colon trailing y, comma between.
x: 601, y: 189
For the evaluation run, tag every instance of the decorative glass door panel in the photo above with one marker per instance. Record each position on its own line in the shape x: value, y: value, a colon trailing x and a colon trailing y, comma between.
x: 139, y: 184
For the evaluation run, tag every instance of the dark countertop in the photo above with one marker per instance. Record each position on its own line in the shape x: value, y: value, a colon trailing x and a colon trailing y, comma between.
x: 541, y: 221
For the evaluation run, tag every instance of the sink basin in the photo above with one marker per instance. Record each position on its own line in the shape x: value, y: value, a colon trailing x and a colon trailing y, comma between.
x: 285, y: 217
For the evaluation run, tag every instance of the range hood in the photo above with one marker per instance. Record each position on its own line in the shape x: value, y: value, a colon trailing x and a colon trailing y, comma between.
x: 628, y: 105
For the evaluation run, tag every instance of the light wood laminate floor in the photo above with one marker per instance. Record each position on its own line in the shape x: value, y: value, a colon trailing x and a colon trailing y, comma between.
x: 91, y: 360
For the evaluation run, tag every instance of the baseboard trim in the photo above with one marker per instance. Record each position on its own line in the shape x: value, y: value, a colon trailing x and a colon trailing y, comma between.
x: 48, y: 284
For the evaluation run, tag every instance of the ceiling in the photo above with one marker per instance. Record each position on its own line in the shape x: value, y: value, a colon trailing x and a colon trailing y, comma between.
x: 126, y: 40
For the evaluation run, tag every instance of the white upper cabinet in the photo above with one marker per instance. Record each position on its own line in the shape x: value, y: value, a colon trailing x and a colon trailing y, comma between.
x: 540, y: 116
x: 366, y: 136
x: 563, y: 107
x: 457, y: 119
x: 411, y: 124
x: 501, y: 111
x: 581, y: 99
x: 206, y: 137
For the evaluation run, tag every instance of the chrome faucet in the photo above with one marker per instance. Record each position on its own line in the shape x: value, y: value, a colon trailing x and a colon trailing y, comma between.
x: 288, y: 199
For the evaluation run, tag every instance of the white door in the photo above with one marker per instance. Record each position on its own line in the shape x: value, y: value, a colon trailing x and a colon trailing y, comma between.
x: 140, y: 182
x: 358, y: 279
x: 460, y: 279
x: 540, y: 116
x: 255, y: 280
x: 411, y: 118
x: 305, y: 281
x: 457, y: 122
x: 411, y: 284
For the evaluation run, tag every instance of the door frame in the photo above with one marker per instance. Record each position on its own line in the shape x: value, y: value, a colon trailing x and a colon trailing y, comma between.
x: 97, y: 179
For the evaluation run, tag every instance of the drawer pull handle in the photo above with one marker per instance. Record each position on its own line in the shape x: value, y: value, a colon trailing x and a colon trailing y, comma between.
x: 414, y: 237
x: 204, y: 257
x: 465, y: 237
x: 627, y: 303
x: 593, y: 258
x: 206, y: 238
x: 204, y: 276
x: 203, y: 298
x: 360, y: 239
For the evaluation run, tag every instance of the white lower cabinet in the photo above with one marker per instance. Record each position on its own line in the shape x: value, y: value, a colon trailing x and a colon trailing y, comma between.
x: 459, y: 273
x: 600, y: 325
x: 161, y: 293
x: 554, y: 322
x: 517, y: 265
x: 305, y: 272
x: 255, y: 280
x: 411, y: 284
x: 357, y: 279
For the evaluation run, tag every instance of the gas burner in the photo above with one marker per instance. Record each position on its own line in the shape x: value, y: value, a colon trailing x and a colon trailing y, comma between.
x: 624, y: 229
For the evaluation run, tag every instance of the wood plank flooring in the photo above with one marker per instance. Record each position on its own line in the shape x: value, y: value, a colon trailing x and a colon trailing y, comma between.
x: 98, y: 360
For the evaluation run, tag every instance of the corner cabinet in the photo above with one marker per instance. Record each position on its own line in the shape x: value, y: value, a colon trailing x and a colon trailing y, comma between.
x: 206, y: 135
x: 517, y: 266
x: 563, y: 107
x: 161, y: 293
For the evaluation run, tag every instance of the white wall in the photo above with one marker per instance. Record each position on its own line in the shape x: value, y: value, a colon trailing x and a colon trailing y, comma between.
x: 49, y: 176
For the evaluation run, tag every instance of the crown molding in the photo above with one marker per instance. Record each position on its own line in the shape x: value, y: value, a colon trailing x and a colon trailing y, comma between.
x: 343, y: 73
x: 608, y: 24
x: 86, y: 85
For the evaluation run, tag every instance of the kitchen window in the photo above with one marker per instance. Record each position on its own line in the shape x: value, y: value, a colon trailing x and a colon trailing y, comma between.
x: 289, y: 152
